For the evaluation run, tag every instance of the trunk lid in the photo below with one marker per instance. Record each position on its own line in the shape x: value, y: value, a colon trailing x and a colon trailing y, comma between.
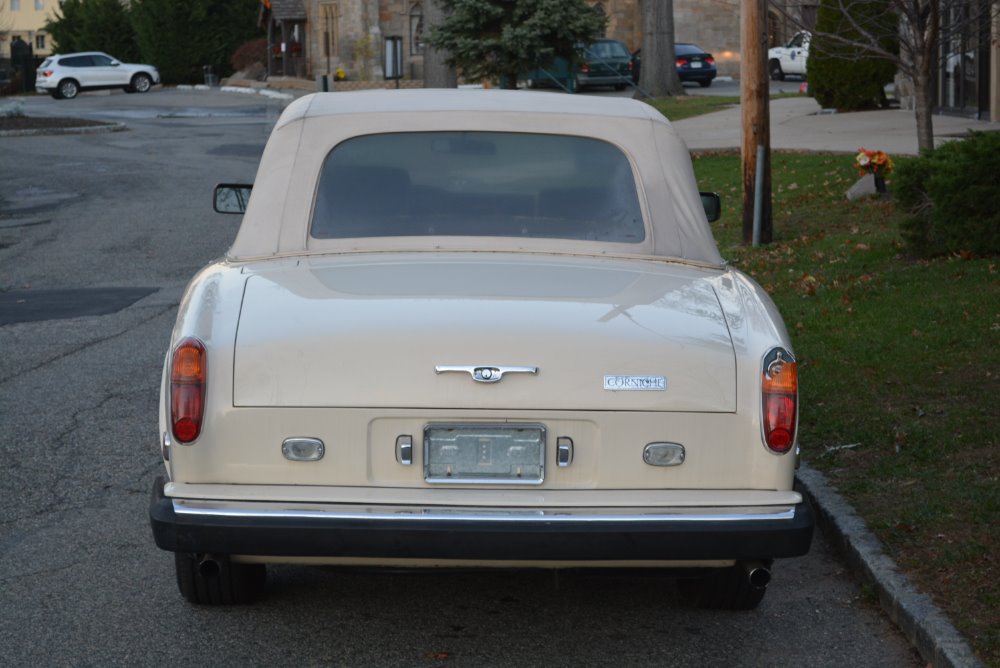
x: 368, y: 331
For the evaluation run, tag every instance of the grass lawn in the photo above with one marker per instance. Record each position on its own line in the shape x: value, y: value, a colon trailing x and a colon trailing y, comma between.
x: 899, y: 372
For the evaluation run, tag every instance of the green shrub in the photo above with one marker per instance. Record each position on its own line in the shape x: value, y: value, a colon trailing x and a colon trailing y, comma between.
x: 840, y: 75
x: 951, y: 197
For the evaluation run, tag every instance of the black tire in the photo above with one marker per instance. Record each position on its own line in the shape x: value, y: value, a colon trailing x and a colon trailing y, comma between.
x: 216, y: 580
x: 705, y: 83
x: 141, y: 83
x: 56, y: 95
x: 128, y: 89
x: 774, y: 68
x: 620, y: 86
x: 722, y: 589
x: 68, y: 89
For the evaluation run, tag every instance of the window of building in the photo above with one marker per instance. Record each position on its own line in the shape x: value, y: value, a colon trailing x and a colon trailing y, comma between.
x: 416, y: 30
x: 39, y: 41
x: 15, y: 5
x: 39, y: 5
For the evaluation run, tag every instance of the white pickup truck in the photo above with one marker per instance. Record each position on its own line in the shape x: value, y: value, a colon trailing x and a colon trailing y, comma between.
x: 789, y: 59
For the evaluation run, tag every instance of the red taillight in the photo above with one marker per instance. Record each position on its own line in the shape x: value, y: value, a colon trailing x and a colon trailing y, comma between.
x: 779, y: 400
x: 710, y: 61
x: 47, y: 73
x: 585, y: 68
x: 681, y: 62
x: 187, y: 389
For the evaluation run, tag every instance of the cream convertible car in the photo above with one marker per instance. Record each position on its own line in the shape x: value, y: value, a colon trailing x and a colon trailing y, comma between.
x: 477, y: 328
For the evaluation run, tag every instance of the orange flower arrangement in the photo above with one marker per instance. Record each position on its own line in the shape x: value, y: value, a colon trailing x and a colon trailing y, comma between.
x: 873, y: 162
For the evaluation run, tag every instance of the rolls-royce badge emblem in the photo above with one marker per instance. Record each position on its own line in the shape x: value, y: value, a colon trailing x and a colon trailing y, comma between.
x: 486, y: 374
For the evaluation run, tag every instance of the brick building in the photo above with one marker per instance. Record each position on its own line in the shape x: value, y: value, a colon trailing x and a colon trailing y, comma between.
x: 322, y: 35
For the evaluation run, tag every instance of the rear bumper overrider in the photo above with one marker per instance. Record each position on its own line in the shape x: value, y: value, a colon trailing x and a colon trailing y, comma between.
x: 495, y: 534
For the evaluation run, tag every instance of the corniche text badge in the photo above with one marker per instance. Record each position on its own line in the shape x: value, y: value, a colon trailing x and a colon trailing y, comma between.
x: 635, y: 383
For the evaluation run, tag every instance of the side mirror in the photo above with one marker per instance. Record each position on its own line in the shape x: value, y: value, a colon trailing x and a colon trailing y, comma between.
x: 231, y: 197
x: 713, y: 206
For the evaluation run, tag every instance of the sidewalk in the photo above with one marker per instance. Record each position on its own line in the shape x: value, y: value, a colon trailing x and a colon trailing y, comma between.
x: 797, y: 125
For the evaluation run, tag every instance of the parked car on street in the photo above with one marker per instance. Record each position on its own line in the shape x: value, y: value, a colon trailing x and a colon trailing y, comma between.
x: 789, y: 59
x: 477, y: 329
x: 692, y: 63
x: 606, y: 62
x: 64, y: 76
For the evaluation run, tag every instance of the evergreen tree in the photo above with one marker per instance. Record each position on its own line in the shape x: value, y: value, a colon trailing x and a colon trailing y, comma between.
x: 841, y: 76
x: 498, y: 40
x: 93, y: 25
x: 182, y: 37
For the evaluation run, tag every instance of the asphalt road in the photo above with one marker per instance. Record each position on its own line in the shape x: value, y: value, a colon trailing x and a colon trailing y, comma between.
x: 126, y: 218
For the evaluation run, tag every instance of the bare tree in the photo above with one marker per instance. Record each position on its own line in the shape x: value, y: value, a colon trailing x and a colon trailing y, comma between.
x: 925, y: 26
x: 658, y: 76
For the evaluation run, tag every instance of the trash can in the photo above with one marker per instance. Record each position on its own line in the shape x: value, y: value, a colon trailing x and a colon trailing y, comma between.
x: 211, y: 79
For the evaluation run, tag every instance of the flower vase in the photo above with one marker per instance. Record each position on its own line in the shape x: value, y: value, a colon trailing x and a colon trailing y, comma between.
x: 880, y: 185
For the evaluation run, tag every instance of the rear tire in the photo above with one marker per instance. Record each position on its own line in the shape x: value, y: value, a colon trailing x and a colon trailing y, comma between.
x: 620, y: 86
x: 705, y: 83
x: 722, y: 589
x: 56, y: 95
x: 68, y: 89
x: 216, y: 580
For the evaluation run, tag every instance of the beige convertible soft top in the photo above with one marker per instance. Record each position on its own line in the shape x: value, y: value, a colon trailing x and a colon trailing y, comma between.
x: 277, y: 219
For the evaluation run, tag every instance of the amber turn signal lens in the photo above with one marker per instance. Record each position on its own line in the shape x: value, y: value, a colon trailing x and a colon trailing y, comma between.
x: 187, y: 389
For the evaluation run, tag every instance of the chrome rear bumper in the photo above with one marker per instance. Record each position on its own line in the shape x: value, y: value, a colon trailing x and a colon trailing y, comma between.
x: 556, y: 534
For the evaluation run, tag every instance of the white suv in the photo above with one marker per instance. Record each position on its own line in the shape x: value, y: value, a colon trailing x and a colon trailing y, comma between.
x: 65, y: 75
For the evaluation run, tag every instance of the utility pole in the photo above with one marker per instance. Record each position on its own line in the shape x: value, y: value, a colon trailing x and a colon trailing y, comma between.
x: 754, y: 92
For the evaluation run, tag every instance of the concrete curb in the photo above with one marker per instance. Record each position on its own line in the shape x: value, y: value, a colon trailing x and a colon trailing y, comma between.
x: 922, y: 623
x: 80, y: 130
x: 244, y: 90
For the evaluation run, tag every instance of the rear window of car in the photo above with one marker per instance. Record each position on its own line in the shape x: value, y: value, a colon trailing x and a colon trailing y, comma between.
x: 493, y: 184
x: 686, y: 49
x: 608, y: 50
x: 76, y: 61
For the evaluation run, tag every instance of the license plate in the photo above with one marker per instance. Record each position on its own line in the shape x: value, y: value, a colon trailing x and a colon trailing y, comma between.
x: 493, y: 453
x: 695, y: 65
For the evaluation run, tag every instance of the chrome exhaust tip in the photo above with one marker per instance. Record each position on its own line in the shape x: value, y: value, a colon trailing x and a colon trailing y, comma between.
x: 758, y: 575
x: 209, y: 567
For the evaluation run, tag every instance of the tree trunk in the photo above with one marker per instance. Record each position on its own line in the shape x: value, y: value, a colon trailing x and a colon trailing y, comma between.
x: 437, y: 72
x: 923, y: 110
x: 658, y: 75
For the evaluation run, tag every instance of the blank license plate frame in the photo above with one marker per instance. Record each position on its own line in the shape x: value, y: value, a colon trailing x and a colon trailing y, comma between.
x: 484, y: 453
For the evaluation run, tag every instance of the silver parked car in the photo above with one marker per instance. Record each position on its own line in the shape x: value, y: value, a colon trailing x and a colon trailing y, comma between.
x: 64, y: 76
x: 477, y: 329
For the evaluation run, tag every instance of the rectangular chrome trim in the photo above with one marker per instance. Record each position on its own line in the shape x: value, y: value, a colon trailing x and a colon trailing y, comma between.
x: 199, y: 508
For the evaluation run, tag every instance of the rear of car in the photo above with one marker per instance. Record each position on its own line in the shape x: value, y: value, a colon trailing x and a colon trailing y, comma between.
x: 606, y: 62
x: 694, y: 64
x: 485, y: 331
